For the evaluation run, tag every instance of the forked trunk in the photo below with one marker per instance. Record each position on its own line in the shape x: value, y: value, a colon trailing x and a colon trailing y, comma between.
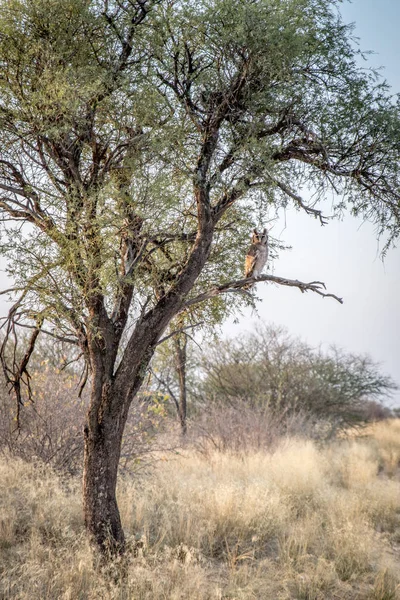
x: 113, y: 391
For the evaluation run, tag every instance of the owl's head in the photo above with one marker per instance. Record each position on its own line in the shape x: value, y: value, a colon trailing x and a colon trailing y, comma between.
x: 260, y: 238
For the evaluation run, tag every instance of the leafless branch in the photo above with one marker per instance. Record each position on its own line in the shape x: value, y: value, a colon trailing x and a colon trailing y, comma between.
x: 317, y: 287
x: 299, y: 201
x: 83, y: 378
x: 176, y: 331
x: 18, y: 372
x: 59, y: 338
x: 10, y: 290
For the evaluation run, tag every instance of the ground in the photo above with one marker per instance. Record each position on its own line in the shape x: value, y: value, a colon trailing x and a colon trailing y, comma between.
x: 305, y: 521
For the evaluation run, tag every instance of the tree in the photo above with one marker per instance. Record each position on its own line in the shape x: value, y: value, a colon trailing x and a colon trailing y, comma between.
x: 172, y: 378
x: 135, y: 134
x: 170, y: 370
x: 271, y: 370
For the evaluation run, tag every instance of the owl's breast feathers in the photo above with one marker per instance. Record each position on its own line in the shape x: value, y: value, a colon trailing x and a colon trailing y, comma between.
x: 250, y: 262
x: 255, y: 260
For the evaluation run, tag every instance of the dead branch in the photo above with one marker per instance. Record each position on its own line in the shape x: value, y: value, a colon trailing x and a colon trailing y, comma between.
x: 59, y: 338
x: 18, y: 373
x: 317, y: 287
x: 181, y: 330
x: 309, y: 210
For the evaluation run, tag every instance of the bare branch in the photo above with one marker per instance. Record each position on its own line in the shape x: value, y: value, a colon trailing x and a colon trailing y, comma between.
x: 59, y: 338
x: 18, y: 372
x: 181, y: 330
x: 299, y: 201
x: 83, y: 379
x: 317, y: 287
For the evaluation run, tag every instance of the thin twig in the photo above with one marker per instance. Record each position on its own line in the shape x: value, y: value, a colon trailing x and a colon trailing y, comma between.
x: 60, y: 338
x: 299, y: 201
x: 181, y: 330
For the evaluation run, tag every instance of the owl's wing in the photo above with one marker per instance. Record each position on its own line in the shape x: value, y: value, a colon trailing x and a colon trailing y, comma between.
x: 250, y: 261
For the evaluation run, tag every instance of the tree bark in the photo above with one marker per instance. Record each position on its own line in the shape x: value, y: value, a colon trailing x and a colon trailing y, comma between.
x: 102, y: 518
x: 102, y: 447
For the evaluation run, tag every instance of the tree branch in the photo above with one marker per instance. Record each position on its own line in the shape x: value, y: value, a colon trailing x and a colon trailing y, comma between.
x: 15, y: 374
x: 59, y: 338
x: 299, y: 201
x: 230, y: 197
x: 317, y: 287
x: 166, y: 385
x: 181, y: 330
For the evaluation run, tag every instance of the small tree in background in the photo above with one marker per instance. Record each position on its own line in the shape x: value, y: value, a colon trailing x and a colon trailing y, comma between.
x: 271, y: 370
x: 173, y: 370
x: 135, y: 135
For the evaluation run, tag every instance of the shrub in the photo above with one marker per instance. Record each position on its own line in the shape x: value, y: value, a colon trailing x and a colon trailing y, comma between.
x: 271, y: 370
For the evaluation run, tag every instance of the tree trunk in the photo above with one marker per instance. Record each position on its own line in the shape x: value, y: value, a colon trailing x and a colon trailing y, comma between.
x: 180, y: 344
x: 102, y: 519
x: 102, y: 447
x: 113, y: 390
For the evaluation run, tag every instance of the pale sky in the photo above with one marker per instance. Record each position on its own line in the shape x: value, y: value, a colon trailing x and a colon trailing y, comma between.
x: 345, y: 255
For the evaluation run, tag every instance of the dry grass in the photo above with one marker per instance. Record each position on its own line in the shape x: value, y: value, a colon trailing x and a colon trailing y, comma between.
x: 387, y: 438
x: 302, y: 523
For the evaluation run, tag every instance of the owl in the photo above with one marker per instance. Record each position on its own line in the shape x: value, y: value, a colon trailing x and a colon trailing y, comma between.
x: 257, y: 254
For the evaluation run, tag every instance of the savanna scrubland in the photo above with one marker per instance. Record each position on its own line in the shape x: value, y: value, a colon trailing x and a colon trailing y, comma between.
x: 286, y: 485
x: 295, y: 518
x: 141, y: 142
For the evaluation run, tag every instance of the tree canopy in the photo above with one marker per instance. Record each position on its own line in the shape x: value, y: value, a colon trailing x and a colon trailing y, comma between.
x: 271, y: 369
x: 113, y: 114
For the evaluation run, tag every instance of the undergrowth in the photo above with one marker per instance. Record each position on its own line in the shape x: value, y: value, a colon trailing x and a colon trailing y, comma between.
x: 302, y: 522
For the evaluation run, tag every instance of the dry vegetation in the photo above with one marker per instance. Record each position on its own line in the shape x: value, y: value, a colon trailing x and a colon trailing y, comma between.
x: 302, y: 522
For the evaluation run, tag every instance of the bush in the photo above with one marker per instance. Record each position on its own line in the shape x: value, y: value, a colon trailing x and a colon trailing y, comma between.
x: 270, y: 370
x: 243, y: 428
x: 51, y: 423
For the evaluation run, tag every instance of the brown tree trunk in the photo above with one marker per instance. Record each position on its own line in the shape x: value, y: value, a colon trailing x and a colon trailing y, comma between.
x: 102, y: 518
x: 180, y: 344
x: 104, y: 427
x: 103, y: 432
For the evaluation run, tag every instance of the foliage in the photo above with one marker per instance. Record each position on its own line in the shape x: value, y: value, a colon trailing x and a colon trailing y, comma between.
x: 99, y: 146
x: 272, y: 370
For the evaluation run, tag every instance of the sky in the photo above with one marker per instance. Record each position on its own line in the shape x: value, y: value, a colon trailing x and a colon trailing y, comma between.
x: 344, y: 254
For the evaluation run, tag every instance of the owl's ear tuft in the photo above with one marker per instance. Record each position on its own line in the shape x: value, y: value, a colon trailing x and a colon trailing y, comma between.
x: 264, y: 238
